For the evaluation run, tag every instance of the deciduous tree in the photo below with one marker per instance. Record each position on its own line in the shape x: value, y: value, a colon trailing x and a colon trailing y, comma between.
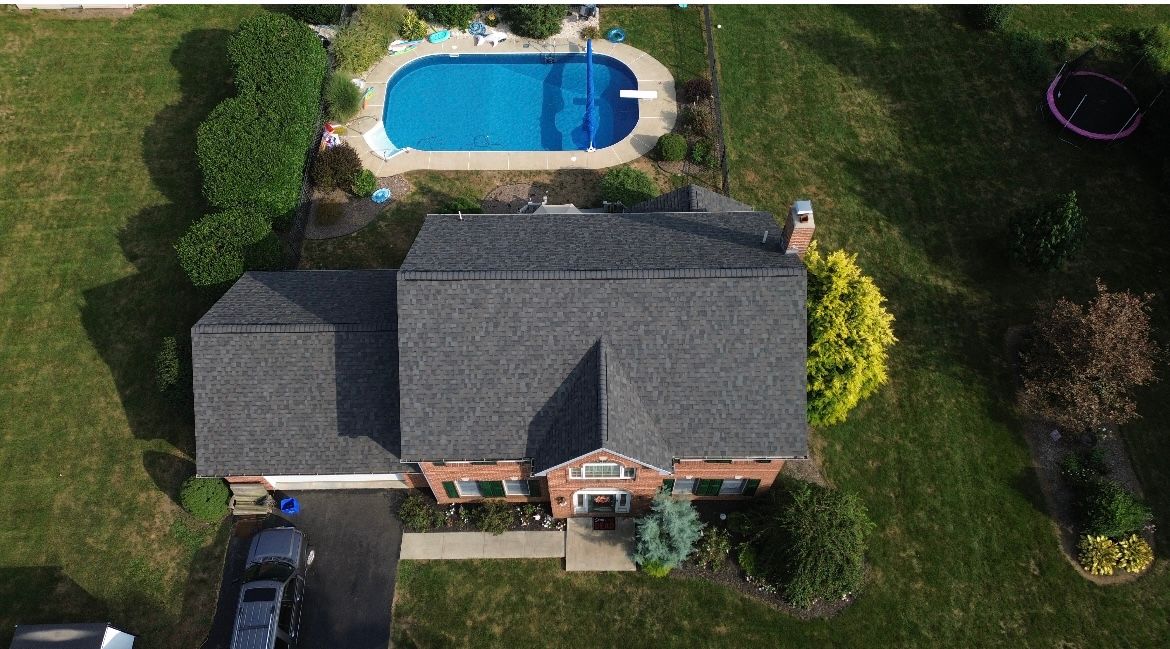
x: 1083, y: 362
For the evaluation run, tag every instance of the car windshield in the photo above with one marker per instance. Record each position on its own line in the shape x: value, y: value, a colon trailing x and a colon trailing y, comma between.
x: 269, y: 571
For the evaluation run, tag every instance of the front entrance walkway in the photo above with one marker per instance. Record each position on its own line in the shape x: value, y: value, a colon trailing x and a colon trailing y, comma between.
x: 590, y: 549
x: 481, y: 545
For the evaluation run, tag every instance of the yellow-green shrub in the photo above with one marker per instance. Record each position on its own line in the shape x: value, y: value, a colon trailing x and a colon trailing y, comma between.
x: 1099, y: 555
x: 1135, y: 554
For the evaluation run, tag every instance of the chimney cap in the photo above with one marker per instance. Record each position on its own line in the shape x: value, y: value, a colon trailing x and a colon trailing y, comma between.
x: 802, y: 207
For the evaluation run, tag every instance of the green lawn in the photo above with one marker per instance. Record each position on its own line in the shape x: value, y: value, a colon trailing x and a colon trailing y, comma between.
x: 915, y: 138
x: 97, y: 180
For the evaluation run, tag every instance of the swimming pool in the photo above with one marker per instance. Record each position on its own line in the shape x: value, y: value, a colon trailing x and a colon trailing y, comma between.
x: 506, y: 102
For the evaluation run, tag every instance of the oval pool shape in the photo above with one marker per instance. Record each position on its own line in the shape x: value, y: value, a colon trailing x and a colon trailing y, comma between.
x: 506, y: 102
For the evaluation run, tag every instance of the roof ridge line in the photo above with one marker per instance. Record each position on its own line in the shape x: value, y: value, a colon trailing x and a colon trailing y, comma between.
x: 659, y: 273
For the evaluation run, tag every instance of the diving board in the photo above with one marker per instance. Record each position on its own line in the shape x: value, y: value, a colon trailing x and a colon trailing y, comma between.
x: 638, y: 94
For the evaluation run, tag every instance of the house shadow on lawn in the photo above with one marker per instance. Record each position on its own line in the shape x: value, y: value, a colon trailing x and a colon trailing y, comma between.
x: 127, y: 319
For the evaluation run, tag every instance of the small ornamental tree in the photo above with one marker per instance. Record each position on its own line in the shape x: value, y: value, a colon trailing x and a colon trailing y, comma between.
x: 1082, y: 363
x: 168, y: 368
x: 667, y: 535
x: 627, y: 185
x: 849, y: 332
x: 1046, y: 236
x: 206, y: 498
x: 534, y: 21
x: 812, y: 542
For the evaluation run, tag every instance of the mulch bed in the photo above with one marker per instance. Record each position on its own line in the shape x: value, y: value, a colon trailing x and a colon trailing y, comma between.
x: 337, y: 213
x: 1047, y: 452
x: 456, y: 524
x: 732, y: 577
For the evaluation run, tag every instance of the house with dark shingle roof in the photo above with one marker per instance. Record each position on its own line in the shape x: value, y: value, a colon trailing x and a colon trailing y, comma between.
x: 584, y: 359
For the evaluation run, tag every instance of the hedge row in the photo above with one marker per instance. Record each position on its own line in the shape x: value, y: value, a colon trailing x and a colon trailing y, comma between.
x: 252, y: 148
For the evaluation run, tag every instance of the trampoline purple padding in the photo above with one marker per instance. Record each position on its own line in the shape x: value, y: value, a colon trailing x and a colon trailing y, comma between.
x: 1093, y: 105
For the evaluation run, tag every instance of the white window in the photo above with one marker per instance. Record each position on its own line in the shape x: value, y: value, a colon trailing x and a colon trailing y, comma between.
x: 467, y: 487
x: 603, y: 471
x: 516, y: 487
x: 732, y: 487
x: 683, y: 486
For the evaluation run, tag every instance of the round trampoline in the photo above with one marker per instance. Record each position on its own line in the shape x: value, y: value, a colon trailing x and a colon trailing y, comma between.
x: 1094, y: 105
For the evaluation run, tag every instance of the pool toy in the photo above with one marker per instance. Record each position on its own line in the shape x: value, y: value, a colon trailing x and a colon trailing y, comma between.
x: 616, y: 35
x: 381, y: 196
x: 439, y: 37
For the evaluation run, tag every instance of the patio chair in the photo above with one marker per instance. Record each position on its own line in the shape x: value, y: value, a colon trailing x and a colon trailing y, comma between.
x: 495, y: 38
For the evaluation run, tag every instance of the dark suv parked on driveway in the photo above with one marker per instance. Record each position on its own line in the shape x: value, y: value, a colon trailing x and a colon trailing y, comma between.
x: 268, y: 614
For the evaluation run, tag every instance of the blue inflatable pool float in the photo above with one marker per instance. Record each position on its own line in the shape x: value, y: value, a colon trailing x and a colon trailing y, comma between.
x: 477, y: 29
x: 616, y: 35
x: 290, y: 506
x: 381, y: 196
x: 439, y: 37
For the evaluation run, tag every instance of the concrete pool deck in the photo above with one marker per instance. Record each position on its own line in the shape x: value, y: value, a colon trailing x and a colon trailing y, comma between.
x: 656, y: 117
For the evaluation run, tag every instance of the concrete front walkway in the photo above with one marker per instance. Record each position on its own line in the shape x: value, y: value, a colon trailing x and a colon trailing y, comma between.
x: 656, y: 116
x: 481, y: 545
x: 589, y: 549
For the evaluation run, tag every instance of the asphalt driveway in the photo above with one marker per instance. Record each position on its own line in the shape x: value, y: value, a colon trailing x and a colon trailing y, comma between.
x: 348, y: 592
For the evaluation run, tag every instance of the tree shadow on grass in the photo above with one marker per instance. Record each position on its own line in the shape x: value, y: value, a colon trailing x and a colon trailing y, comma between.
x: 127, y: 319
x: 168, y: 472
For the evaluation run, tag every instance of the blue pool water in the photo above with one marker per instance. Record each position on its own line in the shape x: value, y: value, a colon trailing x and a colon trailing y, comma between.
x: 506, y: 102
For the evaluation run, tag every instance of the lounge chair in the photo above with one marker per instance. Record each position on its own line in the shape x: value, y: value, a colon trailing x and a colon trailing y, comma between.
x: 401, y: 46
x: 495, y: 38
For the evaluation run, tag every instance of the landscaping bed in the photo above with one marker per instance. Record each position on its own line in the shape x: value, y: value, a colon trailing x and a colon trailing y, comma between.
x: 420, y: 513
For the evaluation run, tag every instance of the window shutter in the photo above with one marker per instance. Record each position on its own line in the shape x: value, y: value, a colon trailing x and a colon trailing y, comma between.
x: 491, y: 488
x: 534, y: 487
x: 668, y: 485
x: 449, y: 487
x: 750, y: 488
x: 709, y: 487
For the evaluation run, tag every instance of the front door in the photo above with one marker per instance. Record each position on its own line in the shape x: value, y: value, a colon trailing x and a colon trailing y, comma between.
x: 602, y: 502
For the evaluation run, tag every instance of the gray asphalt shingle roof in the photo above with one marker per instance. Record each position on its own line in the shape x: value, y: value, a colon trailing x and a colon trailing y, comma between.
x: 691, y: 198
x: 596, y: 242
x: 296, y: 373
x: 703, y: 324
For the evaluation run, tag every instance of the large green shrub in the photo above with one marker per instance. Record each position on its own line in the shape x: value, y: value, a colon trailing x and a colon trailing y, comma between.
x: 419, y: 513
x: 214, y: 249
x: 272, y: 53
x: 494, y: 517
x: 849, y: 333
x: 1048, y: 234
x: 812, y: 542
x: 627, y: 185
x: 336, y: 167
x: 249, y: 157
x: 454, y: 16
x: 365, y: 184
x: 167, y: 367
x: 206, y: 498
x: 988, y: 17
x: 362, y: 43
x: 672, y: 147
x: 312, y: 14
x: 343, y: 99
x: 534, y: 21
x: 667, y: 535
x: 1112, y: 510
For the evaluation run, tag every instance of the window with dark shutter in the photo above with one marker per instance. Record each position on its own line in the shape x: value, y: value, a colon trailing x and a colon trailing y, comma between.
x: 449, y: 487
x: 709, y: 487
x: 750, y: 488
x: 534, y: 487
x: 491, y: 488
x: 668, y: 485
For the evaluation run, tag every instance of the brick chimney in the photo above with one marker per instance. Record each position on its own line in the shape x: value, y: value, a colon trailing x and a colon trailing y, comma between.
x: 798, y: 228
